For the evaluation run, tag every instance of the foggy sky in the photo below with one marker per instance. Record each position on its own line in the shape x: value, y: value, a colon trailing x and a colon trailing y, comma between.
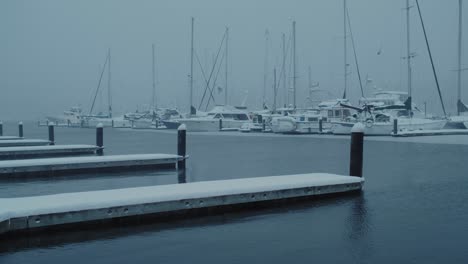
x: 52, y: 51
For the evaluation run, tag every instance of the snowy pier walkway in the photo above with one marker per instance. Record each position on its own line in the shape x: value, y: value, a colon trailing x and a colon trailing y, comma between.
x: 9, y: 138
x: 98, y: 207
x: 45, y: 151
x: 64, y: 165
x: 439, y: 132
x: 23, y: 142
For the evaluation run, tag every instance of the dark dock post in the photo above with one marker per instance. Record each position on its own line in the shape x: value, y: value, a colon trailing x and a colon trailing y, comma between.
x: 220, y: 124
x: 357, y: 148
x: 320, y: 126
x: 1, y: 128
x: 20, y: 129
x: 181, y: 145
x: 100, y: 139
x: 395, y: 126
x: 51, y: 134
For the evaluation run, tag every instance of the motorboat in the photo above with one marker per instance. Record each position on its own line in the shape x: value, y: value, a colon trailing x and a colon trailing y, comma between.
x: 231, y: 118
x: 311, y: 120
x: 71, y: 117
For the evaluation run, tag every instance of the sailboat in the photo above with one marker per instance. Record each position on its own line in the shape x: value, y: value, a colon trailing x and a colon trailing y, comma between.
x: 378, y: 113
x: 106, y: 119
x: 149, y: 117
x: 329, y: 111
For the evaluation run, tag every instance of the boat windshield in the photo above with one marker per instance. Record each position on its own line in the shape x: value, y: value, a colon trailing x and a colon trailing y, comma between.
x: 236, y: 116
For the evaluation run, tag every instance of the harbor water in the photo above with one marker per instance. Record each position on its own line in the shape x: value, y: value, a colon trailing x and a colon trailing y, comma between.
x: 413, y: 207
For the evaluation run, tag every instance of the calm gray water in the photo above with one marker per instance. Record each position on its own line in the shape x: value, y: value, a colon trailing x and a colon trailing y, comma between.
x: 413, y: 209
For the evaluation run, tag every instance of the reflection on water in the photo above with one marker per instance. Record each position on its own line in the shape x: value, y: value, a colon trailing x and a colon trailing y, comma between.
x: 359, y: 228
x: 150, y: 227
x: 181, y: 175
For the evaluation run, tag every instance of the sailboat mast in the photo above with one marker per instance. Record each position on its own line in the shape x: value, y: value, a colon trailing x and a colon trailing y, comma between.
x: 274, y: 89
x: 265, y: 67
x: 408, y: 48
x: 460, y: 7
x: 310, y: 85
x: 109, y: 94
x: 191, y: 70
x: 153, y: 97
x: 294, y: 63
x: 226, y: 68
x: 345, y: 50
x: 284, y: 69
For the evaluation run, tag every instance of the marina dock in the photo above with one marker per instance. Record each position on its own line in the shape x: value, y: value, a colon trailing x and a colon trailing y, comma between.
x: 23, y: 142
x: 59, y: 210
x: 64, y: 165
x: 45, y: 151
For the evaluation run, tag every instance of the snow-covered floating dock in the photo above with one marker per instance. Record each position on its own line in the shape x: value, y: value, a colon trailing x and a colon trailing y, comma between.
x: 52, y: 166
x: 61, y: 210
x: 439, y: 132
x: 9, y: 138
x: 45, y: 151
x: 23, y: 142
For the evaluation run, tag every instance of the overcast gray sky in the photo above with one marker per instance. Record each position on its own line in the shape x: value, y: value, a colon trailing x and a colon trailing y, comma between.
x: 52, y: 50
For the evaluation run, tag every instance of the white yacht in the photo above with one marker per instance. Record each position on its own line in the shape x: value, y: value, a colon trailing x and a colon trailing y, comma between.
x: 70, y: 117
x: 231, y: 117
x: 380, y: 111
x: 308, y: 120
x: 381, y: 124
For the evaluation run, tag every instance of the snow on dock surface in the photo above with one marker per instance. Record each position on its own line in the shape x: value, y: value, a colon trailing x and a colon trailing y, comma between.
x: 23, y: 142
x: 41, y: 166
x: 9, y: 138
x: 46, y: 150
x: 50, y: 210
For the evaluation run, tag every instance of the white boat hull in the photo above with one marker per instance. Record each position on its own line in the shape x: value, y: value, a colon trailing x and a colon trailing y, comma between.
x: 204, y: 125
x: 143, y: 124
x: 290, y: 125
x: 462, y: 120
x: 386, y: 128
x: 64, y: 120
